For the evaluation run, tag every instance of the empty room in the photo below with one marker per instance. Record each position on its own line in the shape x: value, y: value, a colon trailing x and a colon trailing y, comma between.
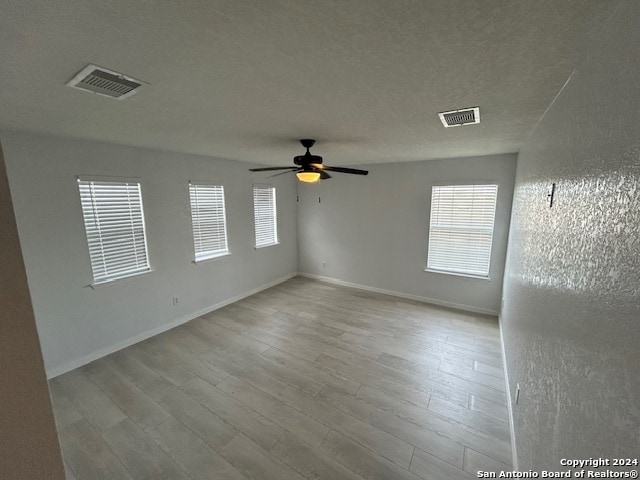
x: 359, y: 240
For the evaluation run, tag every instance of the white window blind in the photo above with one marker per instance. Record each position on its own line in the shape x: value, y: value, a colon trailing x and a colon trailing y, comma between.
x: 208, y: 221
x: 461, y: 228
x: 264, y: 211
x: 114, y: 224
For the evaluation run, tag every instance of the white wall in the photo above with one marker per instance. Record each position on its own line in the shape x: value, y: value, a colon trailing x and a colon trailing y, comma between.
x: 372, y: 231
x: 571, y: 318
x: 77, y: 323
x: 29, y: 446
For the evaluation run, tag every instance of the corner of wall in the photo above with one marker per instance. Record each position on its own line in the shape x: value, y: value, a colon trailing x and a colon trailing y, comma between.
x: 29, y: 445
x: 512, y: 430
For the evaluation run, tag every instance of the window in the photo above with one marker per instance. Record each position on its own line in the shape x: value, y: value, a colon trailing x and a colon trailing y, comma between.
x: 208, y: 221
x: 114, y: 224
x: 264, y: 212
x: 461, y: 228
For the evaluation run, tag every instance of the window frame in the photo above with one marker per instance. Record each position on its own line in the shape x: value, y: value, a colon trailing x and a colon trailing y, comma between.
x: 274, y: 215
x: 430, y: 247
x: 96, y: 241
x: 209, y: 254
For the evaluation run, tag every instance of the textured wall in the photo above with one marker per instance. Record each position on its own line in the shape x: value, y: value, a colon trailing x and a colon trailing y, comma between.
x: 28, y: 441
x: 571, y: 317
x: 373, y: 231
x: 77, y: 323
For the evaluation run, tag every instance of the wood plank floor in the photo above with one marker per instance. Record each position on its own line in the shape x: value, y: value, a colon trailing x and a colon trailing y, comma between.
x: 304, y: 380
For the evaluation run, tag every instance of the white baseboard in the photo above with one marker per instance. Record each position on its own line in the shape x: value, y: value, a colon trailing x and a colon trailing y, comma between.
x: 79, y: 362
x: 434, y: 301
x: 512, y: 430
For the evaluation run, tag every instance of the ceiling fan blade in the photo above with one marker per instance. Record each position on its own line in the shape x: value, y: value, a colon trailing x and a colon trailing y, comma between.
x: 266, y: 169
x: 282, y: 173
x: 323, y: 175
x: 355, y: 171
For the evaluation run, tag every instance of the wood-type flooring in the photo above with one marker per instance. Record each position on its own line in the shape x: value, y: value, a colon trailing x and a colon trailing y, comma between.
x: 305, y: 380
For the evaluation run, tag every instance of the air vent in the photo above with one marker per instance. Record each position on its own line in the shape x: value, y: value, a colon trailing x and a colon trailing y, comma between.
x: 456, y: 118
x: 105, y: 82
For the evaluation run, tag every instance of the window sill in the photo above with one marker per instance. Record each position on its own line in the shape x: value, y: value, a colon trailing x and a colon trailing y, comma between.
x: 265, y: 246
x: 106, y: 283
x: 210, y: 257
x: 457, y: 274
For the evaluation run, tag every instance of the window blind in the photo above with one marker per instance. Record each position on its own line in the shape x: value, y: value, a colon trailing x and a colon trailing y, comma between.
x: 114, y: 224
x: 461, y: 228
x: 208, y: 220
x: 264, y: 210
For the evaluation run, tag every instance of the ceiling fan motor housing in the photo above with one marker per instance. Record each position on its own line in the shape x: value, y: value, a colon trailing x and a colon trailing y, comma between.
x: 306, y: 159
x: 311, y: 167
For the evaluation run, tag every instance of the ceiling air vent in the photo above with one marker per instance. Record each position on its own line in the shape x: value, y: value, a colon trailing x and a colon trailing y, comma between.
x: 105, y: 82
x: 455, y: 118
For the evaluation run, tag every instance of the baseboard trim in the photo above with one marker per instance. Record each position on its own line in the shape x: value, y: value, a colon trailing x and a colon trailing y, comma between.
x: 512, y: 430
x: 434, y: 301
x: 72, y: 365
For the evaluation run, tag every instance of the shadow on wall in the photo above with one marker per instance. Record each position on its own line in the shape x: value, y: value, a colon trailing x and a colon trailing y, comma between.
x: 29, y: 446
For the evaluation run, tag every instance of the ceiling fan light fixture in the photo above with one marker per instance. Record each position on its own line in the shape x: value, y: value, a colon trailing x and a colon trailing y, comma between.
x: 310, y: 168
x: 308, y: 177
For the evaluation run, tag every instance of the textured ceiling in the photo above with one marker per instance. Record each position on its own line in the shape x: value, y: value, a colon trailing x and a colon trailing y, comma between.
x: 243, y: 79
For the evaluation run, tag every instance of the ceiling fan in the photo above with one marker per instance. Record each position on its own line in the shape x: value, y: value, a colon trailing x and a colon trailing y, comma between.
x: 310, y: 167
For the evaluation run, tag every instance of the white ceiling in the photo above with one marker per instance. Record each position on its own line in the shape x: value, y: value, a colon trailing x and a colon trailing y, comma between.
x: 243, y: 79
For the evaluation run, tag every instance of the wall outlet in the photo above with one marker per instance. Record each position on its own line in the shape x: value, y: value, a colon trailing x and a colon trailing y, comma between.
x: 175, y: 301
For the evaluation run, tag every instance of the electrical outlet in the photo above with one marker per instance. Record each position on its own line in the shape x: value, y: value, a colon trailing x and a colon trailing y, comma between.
x: 175, y: 301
